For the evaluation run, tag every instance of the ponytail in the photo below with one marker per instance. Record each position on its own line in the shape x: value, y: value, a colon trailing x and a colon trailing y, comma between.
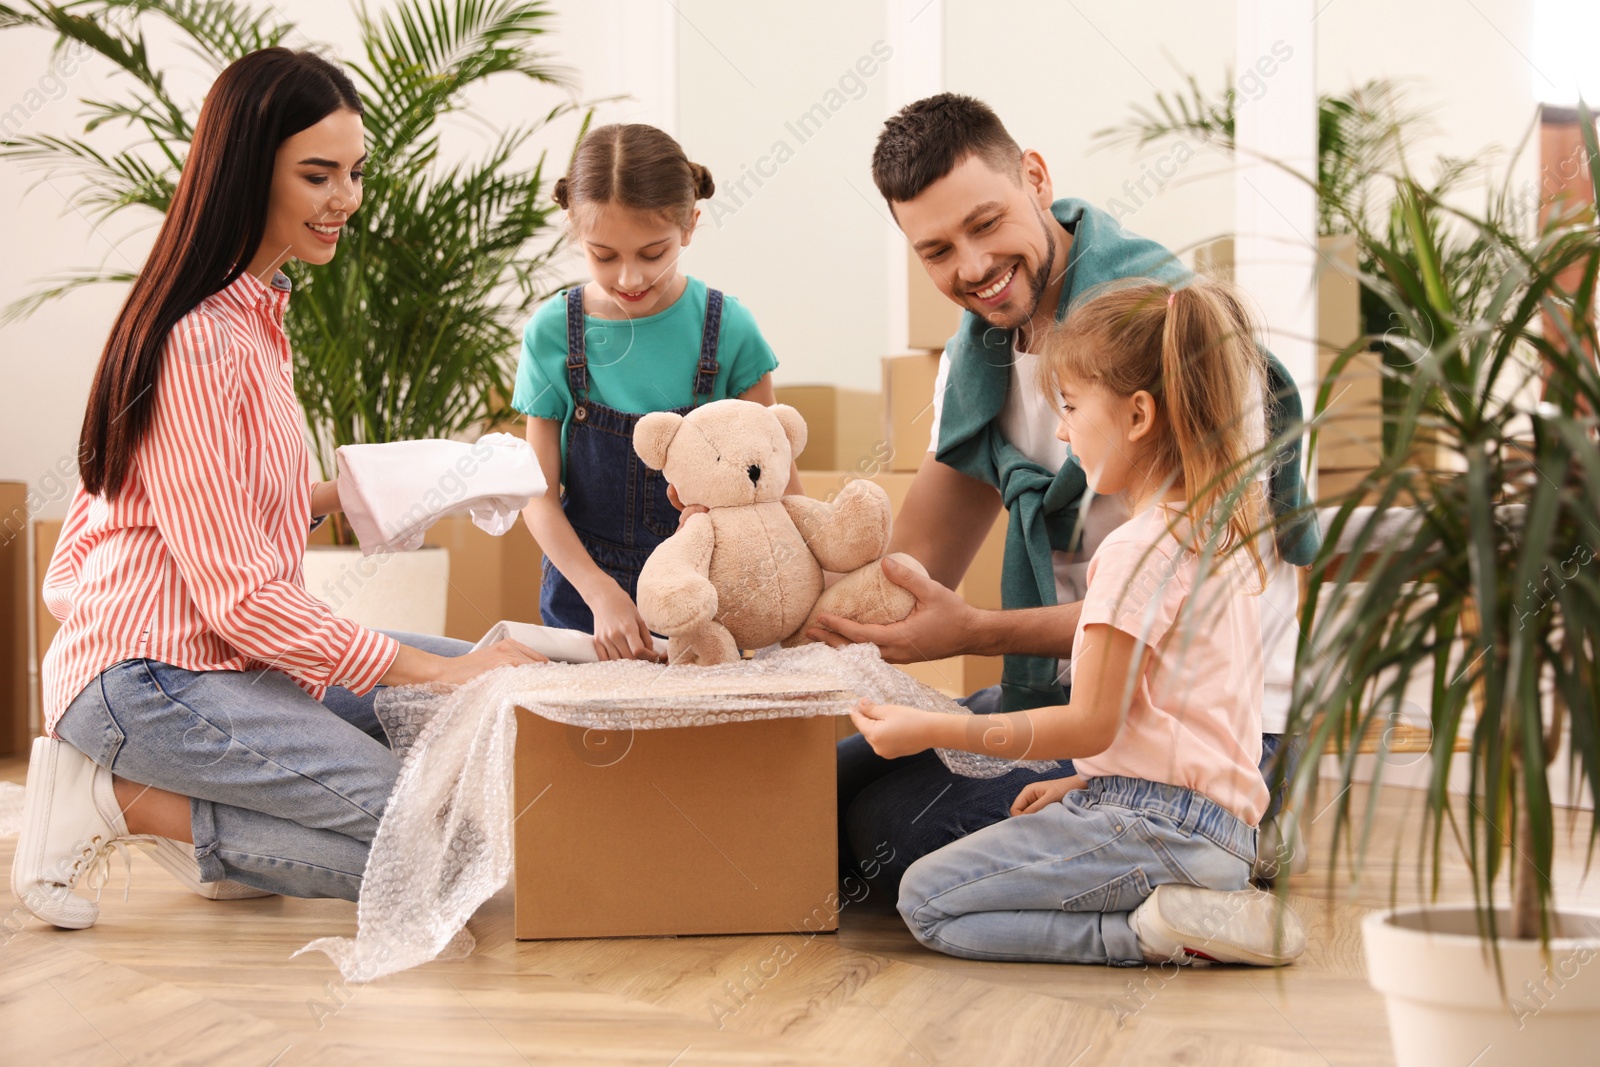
x: 1193, y: 349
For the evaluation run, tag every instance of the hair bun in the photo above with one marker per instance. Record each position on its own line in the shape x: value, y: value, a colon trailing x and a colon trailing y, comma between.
x: 703, y: 185
x: 560, y: 193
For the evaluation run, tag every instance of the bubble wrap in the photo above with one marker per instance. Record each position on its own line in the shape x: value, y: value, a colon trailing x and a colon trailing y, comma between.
x: 444, y: 844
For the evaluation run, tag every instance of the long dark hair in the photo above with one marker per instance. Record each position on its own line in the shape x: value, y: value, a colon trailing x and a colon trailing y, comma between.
x: 215, y: 224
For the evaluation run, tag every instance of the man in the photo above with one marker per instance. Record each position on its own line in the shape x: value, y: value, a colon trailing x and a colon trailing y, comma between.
x: 981, y: 215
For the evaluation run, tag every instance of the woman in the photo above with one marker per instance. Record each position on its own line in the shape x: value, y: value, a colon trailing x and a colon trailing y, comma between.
x: 210, y: 707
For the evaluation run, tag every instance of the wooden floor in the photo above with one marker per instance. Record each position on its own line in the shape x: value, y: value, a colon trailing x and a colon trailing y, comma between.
x: 167, y: 978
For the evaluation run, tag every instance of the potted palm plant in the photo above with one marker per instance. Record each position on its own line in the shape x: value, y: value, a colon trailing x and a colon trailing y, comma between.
x: 1486, y: 597
x: 411, y: 332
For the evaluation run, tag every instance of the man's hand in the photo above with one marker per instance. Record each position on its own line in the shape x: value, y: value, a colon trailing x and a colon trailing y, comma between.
x: 1036, y: 796
x: 940, y: 625
x: 893, y: 729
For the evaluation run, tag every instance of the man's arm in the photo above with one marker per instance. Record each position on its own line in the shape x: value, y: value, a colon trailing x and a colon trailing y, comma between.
x: 942, y: 624
x: 1027, y: 631
x: 945, y: 517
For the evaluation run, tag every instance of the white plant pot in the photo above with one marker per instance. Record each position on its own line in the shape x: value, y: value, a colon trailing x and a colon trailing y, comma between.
x: 405, y: 591
x: 1445, y: 1002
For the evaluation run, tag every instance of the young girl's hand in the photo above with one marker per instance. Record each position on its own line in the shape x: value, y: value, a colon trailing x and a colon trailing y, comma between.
x: 684, y: 511
x: 1036, y: 796
x: 619, y: 630
x: 893, y: 729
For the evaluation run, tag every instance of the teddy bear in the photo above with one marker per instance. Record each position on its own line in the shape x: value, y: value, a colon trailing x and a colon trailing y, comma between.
x: 748, y: 572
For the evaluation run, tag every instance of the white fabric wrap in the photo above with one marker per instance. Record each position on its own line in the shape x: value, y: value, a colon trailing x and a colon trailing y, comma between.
x: 392, y: 493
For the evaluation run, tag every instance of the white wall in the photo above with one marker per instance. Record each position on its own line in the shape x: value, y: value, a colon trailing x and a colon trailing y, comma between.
x: 796, y: 230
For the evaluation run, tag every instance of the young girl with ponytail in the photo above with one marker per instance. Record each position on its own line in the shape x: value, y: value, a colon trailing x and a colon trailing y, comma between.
x: 1145, y: 854
x: 641, y: 336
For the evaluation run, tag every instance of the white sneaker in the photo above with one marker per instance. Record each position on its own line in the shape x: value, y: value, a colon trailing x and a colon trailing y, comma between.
x: 1184, y: 923
x: 71, y: 823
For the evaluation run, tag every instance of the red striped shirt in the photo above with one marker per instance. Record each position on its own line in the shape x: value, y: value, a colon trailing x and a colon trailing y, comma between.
x: 198, y: 561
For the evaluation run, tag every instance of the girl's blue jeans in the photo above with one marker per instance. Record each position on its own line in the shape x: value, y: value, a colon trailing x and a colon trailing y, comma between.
x: 286, y: 790
x: 1057, y: 886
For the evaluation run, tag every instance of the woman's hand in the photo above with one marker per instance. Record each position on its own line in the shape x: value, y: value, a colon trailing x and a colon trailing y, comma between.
x: 893, y: 729
x: 619, y: 630
x: 413, y: 665
x: 1036, y: 796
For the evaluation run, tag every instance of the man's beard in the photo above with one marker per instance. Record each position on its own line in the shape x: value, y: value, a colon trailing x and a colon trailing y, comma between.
x: 1038, y: 282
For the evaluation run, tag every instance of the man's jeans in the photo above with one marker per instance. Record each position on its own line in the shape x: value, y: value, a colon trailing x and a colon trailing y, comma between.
x: 1057, y: 886
x: 894, y: 812
x: 286, y: 791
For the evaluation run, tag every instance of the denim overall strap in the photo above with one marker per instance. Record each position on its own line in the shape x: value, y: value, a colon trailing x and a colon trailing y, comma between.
x: 706, y: 374
x: 617, y: 506
x: 577, y: 359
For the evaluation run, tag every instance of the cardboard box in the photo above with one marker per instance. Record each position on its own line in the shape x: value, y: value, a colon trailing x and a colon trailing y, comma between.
x: 1350, y: 435
x: 844, y: 426
x: 726, y: 829
x: 956, y: 676
x: 45, y: 534
x: 908, y: 408
x: 931, y: 318
x: 15, y: 713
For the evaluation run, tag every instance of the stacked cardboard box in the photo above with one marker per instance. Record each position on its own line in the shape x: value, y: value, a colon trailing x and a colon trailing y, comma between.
x: 908, y: 384
x: 15, y: 714
x: 844, y: 427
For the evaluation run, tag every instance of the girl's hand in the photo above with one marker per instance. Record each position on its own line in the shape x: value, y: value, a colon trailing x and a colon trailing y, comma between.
x: 892, y: 729
x: 684, y: 512
x: 619, y: 630
x: 1036, y: 796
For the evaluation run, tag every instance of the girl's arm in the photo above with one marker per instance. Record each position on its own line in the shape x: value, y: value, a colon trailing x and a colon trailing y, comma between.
x: 763, y: 393
x: 620, y: 633
x: 1105, y: 670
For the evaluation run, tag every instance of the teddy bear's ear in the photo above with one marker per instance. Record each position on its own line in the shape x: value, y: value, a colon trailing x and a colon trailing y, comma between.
x: 652, y: 434
x: 794, y: 427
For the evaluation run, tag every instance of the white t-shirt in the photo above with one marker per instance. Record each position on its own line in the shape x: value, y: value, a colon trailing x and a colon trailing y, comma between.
x: 1028, y: 422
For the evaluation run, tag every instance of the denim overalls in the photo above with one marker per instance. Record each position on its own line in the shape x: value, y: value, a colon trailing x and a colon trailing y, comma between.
x: 617, y: 505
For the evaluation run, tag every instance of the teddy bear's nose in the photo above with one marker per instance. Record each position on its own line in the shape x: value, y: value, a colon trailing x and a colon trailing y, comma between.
x: 754, y: 470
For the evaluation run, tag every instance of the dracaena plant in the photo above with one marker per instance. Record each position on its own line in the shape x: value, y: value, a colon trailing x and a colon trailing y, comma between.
x: 411, y: 331
x: 1473, y: 577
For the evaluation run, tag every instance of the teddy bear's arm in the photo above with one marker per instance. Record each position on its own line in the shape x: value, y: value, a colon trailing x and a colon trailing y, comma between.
x: 674, y: 593
x: 849, y: 532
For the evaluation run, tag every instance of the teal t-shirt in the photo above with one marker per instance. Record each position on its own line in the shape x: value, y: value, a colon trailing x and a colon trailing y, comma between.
x: 637, y: 365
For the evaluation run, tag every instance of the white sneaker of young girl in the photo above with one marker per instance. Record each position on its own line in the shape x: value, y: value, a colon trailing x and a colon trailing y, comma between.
x: 1188, y: 924
x: 71, y: 826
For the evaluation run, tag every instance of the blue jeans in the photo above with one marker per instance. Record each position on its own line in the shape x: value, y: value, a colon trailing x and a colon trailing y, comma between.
x: 1057, y: 886
x: 894, y: 812
x: 286, y: 792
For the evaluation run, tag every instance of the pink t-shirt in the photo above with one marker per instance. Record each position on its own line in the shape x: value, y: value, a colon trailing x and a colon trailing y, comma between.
x: 1195, y: 716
